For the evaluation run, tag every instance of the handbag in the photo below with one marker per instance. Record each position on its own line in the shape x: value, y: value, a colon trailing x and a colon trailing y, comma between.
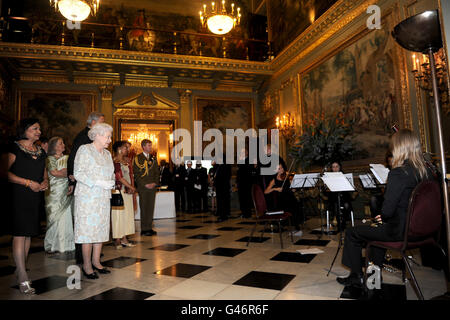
x: 116, y: 200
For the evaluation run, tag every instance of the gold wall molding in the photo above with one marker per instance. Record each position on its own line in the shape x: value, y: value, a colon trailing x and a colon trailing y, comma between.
x: 39, y: 51
x: 44, y: 78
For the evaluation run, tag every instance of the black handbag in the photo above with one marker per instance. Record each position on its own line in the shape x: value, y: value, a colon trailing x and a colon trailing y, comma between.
x: 116, y: 200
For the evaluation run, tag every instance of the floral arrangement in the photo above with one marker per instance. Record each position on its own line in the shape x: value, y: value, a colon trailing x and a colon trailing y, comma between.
x: 324, y: 139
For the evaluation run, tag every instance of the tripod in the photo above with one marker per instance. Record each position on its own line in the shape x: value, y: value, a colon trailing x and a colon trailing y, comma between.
x: 341, y: 234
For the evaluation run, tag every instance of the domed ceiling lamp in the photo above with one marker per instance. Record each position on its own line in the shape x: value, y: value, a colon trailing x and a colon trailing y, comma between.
x: 76, y: 10
x: 218, y: 20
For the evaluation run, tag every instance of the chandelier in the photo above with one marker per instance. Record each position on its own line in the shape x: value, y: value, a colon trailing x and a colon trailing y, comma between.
x: 218, y: 20
x: 76, y: 10
x: 422, y: 75
x: 286, y: 125
x: 136, y: 138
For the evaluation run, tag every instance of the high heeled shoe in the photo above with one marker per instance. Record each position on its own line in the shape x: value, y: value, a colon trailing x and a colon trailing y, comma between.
x: 91, y: 276
x: 128, y: 244
x: 102, y: 270
x: 26, y: 288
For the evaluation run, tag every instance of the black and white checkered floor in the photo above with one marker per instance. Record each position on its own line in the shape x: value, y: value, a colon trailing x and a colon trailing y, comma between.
x: 194, y: 257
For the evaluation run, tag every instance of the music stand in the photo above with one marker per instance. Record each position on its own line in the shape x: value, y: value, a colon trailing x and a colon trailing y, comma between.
x: 337, y: 182
x: 303, y: 181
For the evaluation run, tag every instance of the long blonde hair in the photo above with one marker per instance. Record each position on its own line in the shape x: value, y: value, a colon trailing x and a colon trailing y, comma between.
x: 406, y: 145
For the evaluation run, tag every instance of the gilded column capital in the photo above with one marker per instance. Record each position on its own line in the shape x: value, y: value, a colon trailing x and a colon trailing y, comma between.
x: 106, y: 92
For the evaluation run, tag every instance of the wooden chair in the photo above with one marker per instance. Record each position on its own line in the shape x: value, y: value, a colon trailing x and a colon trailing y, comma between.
x: 423, y: 223
x: 261, y: 214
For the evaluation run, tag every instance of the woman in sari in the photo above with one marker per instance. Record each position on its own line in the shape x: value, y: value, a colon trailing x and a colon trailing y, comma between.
x: 58, y: 201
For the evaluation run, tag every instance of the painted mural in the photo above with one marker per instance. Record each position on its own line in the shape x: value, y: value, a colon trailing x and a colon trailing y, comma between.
x: 358, y: 81
x: 59, y: 114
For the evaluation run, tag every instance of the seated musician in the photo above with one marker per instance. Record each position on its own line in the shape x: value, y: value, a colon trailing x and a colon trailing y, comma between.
x: 346, y: 200
x: 408, y: 169
x: 282, y: 196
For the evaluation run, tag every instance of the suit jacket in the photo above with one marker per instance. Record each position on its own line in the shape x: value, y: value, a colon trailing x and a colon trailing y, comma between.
x: 190, y: 178
x: 400, y: 184
x: 166, y: 177
x: 222, y: 180
x: 81, y: 139
x: 201, y: 178
x: 145, y: 171
x: 179, y: 175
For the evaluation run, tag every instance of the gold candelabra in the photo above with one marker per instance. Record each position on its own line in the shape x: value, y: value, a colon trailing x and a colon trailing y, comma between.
x: 422, y: 75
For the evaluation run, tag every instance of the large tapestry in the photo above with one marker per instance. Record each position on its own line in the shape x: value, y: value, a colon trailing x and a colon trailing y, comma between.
x: 362, y: 82
x: 61, y: 114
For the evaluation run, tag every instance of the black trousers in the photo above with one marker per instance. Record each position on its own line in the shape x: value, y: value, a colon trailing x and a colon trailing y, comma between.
x: 245, y: 199
x: 356, y: 239
x: 180, y: 201
x: 223, y: 203
x: 190, y: 198
x: 204, y: 198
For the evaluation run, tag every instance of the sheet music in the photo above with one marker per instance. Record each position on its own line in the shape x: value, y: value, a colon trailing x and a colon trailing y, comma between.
x: 380, y: 172
x: 349, y: 177
x: 367, y: 181
x: 336, y: 181
x: 299, y: 180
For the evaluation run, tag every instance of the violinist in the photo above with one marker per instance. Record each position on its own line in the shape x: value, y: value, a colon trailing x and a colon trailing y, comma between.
x: 282, y: 196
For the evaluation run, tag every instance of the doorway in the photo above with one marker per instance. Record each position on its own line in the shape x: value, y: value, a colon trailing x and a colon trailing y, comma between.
x: 157, y: 131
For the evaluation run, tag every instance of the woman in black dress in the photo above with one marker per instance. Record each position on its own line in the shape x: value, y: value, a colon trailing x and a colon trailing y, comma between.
x: 28, y: 177
x: 282, y: 197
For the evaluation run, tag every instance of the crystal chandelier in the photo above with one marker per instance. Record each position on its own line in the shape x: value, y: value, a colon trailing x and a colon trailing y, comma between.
x: 218, y: 20
x: 286, y: 125
x: 136, y: 138
x: 76, y: 10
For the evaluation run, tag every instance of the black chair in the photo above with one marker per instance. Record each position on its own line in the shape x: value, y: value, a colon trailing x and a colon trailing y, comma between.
x: 261, y: 214
x: 423, y: 224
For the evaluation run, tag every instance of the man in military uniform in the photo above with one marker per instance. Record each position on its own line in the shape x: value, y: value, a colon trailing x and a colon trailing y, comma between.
x: 146, y: 177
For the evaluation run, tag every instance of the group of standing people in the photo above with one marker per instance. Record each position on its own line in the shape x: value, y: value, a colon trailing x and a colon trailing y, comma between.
x: 76, y: 190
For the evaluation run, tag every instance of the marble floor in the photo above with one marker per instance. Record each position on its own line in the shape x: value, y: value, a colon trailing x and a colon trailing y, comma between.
x: 196, y: 258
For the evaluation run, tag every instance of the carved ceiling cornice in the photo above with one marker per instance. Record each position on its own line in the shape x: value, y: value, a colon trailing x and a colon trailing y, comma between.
x: 45, y: 52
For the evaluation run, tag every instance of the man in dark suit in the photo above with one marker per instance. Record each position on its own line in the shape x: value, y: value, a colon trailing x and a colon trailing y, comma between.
x: 244, y: 184
x: 146, y: 177
x: 223, y: 187
x: 201, y: 188
x: 166, y: 175
x: 178, y: 178
x: 81, y: 139
x: 189, y: 185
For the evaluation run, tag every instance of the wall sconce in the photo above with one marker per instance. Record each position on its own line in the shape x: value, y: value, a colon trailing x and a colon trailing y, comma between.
x: 286, y: 125
x: 422, y: 76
